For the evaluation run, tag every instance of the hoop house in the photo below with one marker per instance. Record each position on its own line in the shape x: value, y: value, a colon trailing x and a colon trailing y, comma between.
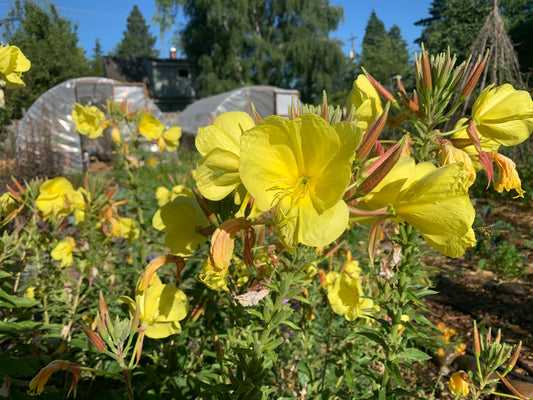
x: 48, y: 126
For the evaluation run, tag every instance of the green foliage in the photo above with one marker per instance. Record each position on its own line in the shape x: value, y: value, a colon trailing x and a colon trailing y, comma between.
x: 385, y: 52
x: 137, y: 40
x: 97, y: 62
x: 49, y: 42
x: 287, y: 44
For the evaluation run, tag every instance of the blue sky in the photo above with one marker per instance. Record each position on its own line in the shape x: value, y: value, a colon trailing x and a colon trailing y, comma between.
x: 106, y: 20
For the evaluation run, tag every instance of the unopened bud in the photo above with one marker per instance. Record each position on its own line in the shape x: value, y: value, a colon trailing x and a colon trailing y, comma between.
x: 95, y: 339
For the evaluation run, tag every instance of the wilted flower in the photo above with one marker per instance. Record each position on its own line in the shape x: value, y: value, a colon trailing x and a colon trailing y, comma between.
x: 448, y: 154
x: 366, y: 101
x: 63, y: 251
x: 217, y: 172
x: 433, y: 200
x: 89, y: 120
x: 57, y: 197
x: 150, y: 127
x: 181, y: 220
x: 345, y: 294
x: 503, y: 114
x: 508, y: 176
x: 12, y: 64
x: 36, y: 385
x: 458, y: 386
x: 161, y: 307
x: 302, y: 167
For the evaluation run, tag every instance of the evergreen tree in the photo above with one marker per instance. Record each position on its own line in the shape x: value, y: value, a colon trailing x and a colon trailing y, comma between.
x: 385, y: 54
x: 50, y: 43
x: 137, y: 40
x: 97, y: 62
x: 241, y: 42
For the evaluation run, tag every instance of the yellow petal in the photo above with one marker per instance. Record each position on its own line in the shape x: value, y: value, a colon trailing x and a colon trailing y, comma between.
x: 150, y: 127
x: 217, y: 174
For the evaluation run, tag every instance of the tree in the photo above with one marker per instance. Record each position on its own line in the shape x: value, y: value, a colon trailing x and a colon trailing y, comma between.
x: 97, y: 62
x: 385, y: 54
x: 50, y: 43
x: 137, y: 40
x: 242, y: 42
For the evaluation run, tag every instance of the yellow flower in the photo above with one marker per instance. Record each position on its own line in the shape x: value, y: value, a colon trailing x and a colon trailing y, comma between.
x: 458, y: 386
x: 150, y: 127
x: 217, y: 173
x: 181, y: 220
x: 213, y: 279
x: 302, y: 167
x: 508, y: 176
x: 345, y: 294
x: 504, y: 114
x: 433, y: 200
x: 163, y: 195
x: 172, y: 138
x: 366, y: 101
x: 128, y: 229
x: 63, y: 251
x: 449, y: 154
x: 12, y: 64
x: 89, y: 120
x: 57, y: 197
x: 161, y: 307
x: 8, y: 204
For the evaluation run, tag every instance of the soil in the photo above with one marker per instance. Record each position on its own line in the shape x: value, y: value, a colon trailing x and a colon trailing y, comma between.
x: 468, y: 293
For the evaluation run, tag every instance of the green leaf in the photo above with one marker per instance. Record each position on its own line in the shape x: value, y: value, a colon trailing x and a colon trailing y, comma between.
x: 16, y: 301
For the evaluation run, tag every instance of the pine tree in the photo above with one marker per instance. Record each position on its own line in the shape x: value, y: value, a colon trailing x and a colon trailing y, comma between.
x: 97, y: 62
x: 137, y: 40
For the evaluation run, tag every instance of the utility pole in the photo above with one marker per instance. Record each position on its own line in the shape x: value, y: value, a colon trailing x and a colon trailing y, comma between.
x: 352, y: 50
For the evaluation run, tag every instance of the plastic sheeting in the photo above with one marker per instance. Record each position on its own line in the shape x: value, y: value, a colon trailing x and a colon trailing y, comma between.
x: 267, y: 100
x: 49, y: 117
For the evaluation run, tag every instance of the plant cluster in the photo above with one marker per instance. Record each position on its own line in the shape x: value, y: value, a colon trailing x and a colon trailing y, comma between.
x: 249, y: 280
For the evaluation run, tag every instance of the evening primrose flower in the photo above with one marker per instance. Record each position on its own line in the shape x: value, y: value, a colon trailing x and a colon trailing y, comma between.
x: 508, y: 176
x: 171, y: 138
x: 161, y: 307
x: 217, y: 172
x: 302, y: 168
x: 57, y: 197
x: 163, y: 195
x: 89, y: 120
x: 345, y: 293
x: 448, y: 154
x: 458, y: 386
x: 503, y: 114
x: 63, y: 251
x: 150, y: 127
x: 182, y: 219
x: 12, y: 64
x: 366, y: 101
x: 128, y: 229
x: 433, y: 200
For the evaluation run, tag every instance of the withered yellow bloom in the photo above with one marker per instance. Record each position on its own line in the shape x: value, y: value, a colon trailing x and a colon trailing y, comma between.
x: 504, y: 114
x: 161, y: 307
x: 150, y: 127
x: 63, y: 251
x: 302, y: 168
x: 345, y: 293
x: 448, y: 154
x: 57, y: 197
x: 217, y: 173
x: 12, y: 64
x: 89, y: 120
x: 458, y: 386
x: 433, y: 200
x: 366, y: 101
x: 508, y: 175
